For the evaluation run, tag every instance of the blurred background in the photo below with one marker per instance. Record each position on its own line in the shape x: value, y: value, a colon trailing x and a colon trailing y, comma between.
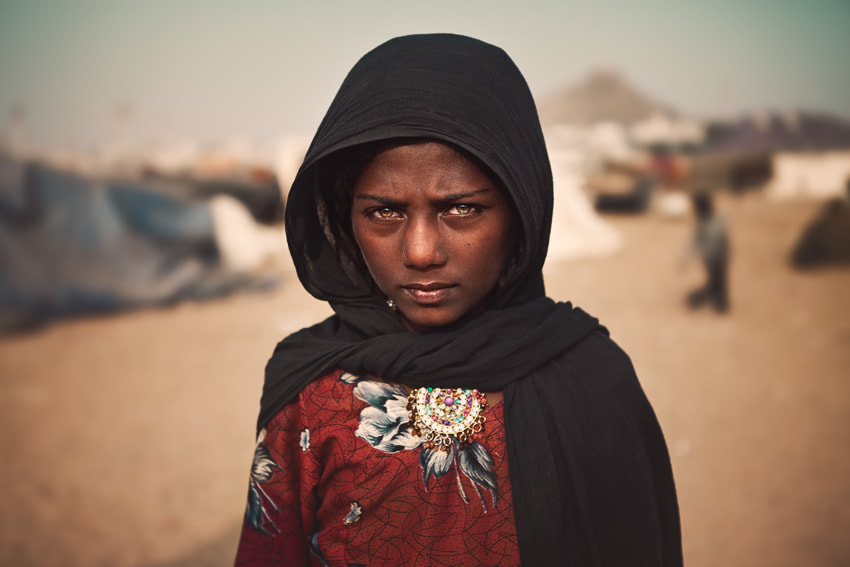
x: 701, y: 158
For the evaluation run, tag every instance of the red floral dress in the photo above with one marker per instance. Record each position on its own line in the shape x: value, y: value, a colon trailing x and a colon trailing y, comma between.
x: 340, y: 478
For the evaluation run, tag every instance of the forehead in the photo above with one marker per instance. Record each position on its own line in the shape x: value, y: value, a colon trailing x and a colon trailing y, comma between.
x: 422, y: 166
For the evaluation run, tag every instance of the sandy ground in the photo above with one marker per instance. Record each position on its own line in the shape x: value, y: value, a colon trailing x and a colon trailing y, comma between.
x: 127, y: 440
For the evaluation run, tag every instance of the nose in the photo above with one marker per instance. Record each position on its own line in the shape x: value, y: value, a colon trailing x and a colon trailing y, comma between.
x: 423, y: 245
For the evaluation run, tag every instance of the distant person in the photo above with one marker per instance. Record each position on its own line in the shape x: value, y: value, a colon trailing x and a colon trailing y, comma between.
x: 711, y: 242
x: 449, y: 413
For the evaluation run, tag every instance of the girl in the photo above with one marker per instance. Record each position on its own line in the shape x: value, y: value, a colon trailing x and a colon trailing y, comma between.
x: 449, y: 413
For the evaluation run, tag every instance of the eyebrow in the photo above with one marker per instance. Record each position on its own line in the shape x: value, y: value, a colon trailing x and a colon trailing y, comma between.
x: 447, y: 199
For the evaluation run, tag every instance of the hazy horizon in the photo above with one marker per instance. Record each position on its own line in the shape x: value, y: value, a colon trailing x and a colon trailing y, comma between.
x: 85, y: 73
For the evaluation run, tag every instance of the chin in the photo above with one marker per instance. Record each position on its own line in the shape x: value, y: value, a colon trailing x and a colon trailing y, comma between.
x: 429, y: 321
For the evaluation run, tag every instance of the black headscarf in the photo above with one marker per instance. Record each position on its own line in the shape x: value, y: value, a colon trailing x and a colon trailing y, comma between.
x: 589, y: 467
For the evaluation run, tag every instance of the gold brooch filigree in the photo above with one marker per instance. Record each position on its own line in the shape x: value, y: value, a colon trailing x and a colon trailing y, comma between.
x: 444, y: 415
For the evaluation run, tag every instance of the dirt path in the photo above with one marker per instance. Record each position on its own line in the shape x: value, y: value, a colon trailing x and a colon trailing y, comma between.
x: 127, y: 440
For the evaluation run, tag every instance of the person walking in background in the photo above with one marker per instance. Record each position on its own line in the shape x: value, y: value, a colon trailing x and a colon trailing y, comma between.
x: 711, y: 241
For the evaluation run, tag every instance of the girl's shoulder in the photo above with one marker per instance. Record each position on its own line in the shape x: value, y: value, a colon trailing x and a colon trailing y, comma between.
x: 327, y: 399
x: 341, y: 390
x: 339, y: 397
x: 332, y: 390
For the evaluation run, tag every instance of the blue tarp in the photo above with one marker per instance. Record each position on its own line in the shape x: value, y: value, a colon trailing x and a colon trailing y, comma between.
x: 71, y: 245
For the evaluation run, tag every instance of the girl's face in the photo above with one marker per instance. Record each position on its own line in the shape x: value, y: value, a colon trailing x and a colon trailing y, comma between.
x: 436, y: 233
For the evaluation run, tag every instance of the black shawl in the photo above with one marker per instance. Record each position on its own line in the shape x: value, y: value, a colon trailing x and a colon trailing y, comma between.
x: 589, y: 468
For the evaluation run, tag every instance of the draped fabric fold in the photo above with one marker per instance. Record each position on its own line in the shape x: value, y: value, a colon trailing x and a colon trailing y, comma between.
x: 589, y: 467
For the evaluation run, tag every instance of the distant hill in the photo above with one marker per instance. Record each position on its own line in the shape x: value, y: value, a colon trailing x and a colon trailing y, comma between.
x: 603, y: 96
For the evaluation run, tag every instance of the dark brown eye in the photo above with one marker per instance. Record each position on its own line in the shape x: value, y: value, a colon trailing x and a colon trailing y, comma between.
x: 384, y: 213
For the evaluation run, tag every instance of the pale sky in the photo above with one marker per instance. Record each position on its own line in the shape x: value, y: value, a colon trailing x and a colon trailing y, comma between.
x: 212, y: 71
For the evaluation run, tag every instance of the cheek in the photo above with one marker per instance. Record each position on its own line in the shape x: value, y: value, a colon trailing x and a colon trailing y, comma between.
x: 490, y: 254
x: 502, y: 255
x: 362, y: 240
x: 504, y: 244
x: 375, y: 251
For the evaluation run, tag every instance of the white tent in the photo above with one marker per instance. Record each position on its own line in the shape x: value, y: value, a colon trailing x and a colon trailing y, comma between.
x: 577, y: 230
x: 661, y: 128
x: 818, y: 175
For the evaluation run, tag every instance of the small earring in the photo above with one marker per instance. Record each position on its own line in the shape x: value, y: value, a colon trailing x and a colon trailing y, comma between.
x: 391, y: 304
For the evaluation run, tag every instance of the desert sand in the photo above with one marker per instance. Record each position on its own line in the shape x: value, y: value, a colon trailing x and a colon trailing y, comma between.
x: 126, y: 440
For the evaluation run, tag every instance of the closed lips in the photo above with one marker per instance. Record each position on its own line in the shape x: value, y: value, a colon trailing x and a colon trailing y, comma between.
x: 428, y: 293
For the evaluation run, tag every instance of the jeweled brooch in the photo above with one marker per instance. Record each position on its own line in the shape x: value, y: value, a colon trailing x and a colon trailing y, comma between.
x: 444, y: 415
